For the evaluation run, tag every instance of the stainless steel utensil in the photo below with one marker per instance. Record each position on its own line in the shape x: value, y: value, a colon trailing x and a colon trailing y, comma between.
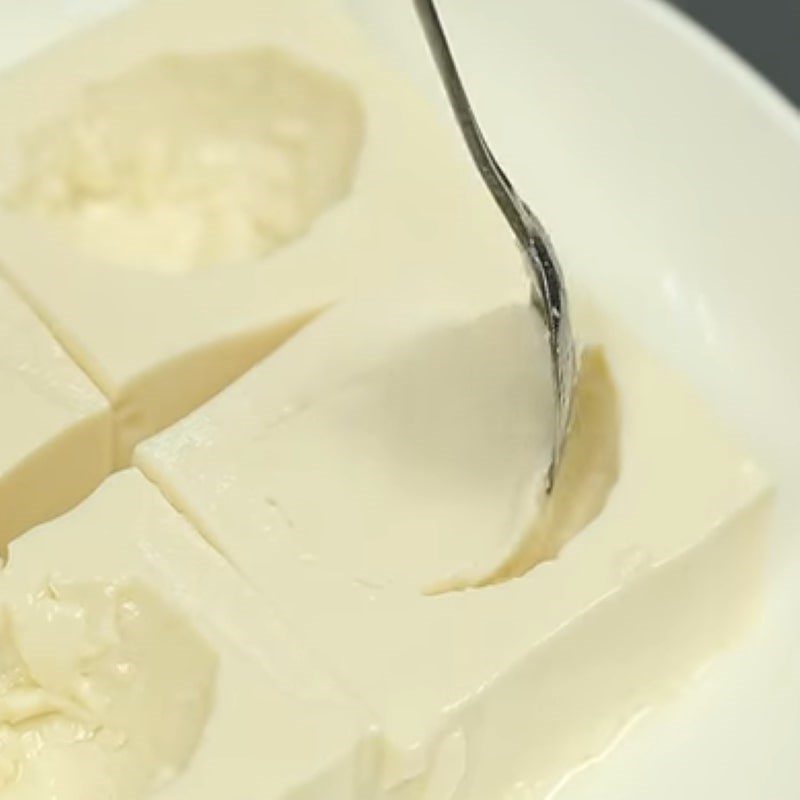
x: 548, y: 296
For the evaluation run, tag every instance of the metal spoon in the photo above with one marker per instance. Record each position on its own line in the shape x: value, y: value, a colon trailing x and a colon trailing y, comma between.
x: 548, y: 294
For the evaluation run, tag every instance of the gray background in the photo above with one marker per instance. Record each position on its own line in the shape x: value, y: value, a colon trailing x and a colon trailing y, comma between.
x: 765, y: 32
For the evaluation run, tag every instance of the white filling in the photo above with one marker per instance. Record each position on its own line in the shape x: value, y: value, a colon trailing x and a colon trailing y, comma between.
x: 104, y: 692
x: 195, y: 160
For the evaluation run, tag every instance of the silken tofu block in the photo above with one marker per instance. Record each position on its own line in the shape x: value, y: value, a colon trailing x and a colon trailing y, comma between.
x: 516, y: 682
x: 134, y: 658
x: 55, y: 425
x: 176, y: 206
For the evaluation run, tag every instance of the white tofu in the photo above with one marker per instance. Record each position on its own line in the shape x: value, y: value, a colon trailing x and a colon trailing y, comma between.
x: 158, y: 343
x: 55, y: 425
x: 517, y: 682
x: 134, y: 657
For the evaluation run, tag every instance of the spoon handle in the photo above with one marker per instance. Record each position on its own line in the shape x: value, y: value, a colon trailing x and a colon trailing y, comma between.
x: 549, y: 294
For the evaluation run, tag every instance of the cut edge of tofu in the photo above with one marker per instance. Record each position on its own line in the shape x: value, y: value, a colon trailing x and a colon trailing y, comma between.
x: 63, y: 469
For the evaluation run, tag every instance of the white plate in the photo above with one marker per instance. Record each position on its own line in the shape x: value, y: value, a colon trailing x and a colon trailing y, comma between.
x: 669, y: 174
